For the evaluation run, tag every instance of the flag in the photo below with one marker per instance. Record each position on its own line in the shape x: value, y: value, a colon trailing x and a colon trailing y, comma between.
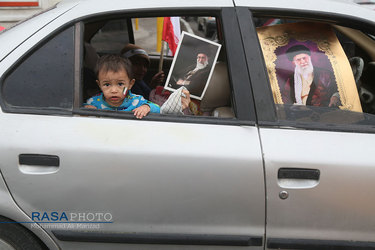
x: 272, y: 21
x: 171, y: 32
x: 19, y: 3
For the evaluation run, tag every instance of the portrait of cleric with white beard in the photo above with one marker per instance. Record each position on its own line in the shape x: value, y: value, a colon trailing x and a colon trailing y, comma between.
x: 308, y: 84
x: 196, y: 75
x: 193, y: 65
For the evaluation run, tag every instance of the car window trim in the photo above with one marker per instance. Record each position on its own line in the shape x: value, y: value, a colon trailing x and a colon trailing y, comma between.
x: 264, y: 104
x: 163, y: 117
x: 350, y: 128
x: 78, y: 61
x: 243, y: 100
x: 160, y: 238
x: 301, y: 243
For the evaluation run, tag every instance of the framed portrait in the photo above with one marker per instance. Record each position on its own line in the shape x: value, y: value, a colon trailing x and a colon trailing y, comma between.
x: 307, y: 66
x: 193, y: 65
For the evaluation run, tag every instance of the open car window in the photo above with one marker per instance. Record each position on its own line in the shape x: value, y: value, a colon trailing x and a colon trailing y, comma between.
x: 111, y: 35
x: 318, y: 72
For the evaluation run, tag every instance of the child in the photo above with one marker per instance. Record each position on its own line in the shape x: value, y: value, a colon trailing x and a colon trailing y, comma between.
x: 114, y: 74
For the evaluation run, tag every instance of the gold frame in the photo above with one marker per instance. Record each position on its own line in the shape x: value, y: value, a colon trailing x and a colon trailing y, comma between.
x: 322, y: 35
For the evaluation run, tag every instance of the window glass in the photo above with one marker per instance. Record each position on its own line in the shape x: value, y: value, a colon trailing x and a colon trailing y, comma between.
x: 211, y: 76
x: 318, y: 72
x: 45, y: 78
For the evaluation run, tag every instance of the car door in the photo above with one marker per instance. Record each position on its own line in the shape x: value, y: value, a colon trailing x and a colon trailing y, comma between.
x: 318, y: 165
x: 122, y: 183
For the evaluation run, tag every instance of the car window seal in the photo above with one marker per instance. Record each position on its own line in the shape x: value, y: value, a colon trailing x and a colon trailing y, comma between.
x: 350, y: 128
x: 162, y: 117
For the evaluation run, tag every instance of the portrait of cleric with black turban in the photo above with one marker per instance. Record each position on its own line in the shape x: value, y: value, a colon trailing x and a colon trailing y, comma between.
x: 305, y: 76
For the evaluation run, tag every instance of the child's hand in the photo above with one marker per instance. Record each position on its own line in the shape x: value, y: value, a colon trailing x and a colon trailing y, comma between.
x: 90, y: 107
x: 141, y: 111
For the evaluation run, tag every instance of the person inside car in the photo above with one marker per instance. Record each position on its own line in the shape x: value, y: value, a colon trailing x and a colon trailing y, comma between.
x: 141, y: 61
x: 115, y: 81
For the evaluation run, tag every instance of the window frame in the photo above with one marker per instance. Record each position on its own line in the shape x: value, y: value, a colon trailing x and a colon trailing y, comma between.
x: 242, y: 98
x: 264, y: 103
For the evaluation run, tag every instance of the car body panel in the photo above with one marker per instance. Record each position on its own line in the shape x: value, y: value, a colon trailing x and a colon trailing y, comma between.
x: 196, y: 184
x: 334, y: 208
x: 11, y: 210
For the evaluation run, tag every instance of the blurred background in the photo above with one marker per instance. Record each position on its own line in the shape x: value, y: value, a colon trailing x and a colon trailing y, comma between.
x: 13, y: 11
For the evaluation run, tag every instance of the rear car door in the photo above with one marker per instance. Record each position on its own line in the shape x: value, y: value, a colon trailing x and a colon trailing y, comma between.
x: 107, y: 178
x: 318, y: 166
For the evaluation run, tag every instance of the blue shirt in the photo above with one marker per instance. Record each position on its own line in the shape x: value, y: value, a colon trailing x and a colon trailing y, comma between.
x: 130, y: 103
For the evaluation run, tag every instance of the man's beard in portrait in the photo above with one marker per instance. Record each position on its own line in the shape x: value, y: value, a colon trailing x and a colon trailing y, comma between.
x: 201, y: 65
x: 301, y: 74
x: 306, y: 71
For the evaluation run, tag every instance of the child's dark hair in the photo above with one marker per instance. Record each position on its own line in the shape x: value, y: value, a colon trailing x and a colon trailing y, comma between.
x: 115, y: 63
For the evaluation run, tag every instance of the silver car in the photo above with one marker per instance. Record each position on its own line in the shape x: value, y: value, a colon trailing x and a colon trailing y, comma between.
x: 367, y: 3
x: 251, y: 173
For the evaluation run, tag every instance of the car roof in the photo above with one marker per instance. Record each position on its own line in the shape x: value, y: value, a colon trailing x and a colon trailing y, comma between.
x: 334, y: 7
x: 68, y: 10
x: 99, y: 5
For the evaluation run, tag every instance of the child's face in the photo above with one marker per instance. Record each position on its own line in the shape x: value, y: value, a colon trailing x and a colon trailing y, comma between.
x: 112, y: 85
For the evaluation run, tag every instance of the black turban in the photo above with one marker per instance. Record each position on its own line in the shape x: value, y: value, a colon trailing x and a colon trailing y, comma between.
x: 296, y: 50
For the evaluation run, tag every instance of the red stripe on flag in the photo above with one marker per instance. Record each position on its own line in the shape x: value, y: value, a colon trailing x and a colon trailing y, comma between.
x: 19, y: 4
x: 168, y: 34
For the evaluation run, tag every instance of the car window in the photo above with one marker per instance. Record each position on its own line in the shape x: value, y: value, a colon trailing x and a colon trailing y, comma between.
x: 213, y: 99
x: 44, y: 78
x: 321, y: 76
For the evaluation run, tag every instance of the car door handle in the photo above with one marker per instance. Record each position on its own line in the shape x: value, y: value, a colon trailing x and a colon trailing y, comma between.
x: 298, y: 177
x: 38, y: 163
x: 298, y: 173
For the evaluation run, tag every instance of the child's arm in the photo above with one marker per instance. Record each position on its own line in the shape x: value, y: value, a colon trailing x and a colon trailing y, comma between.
x: 154, y: 108
x: 90, y: 103
x: 89, y: 106
x: 145, y: 107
